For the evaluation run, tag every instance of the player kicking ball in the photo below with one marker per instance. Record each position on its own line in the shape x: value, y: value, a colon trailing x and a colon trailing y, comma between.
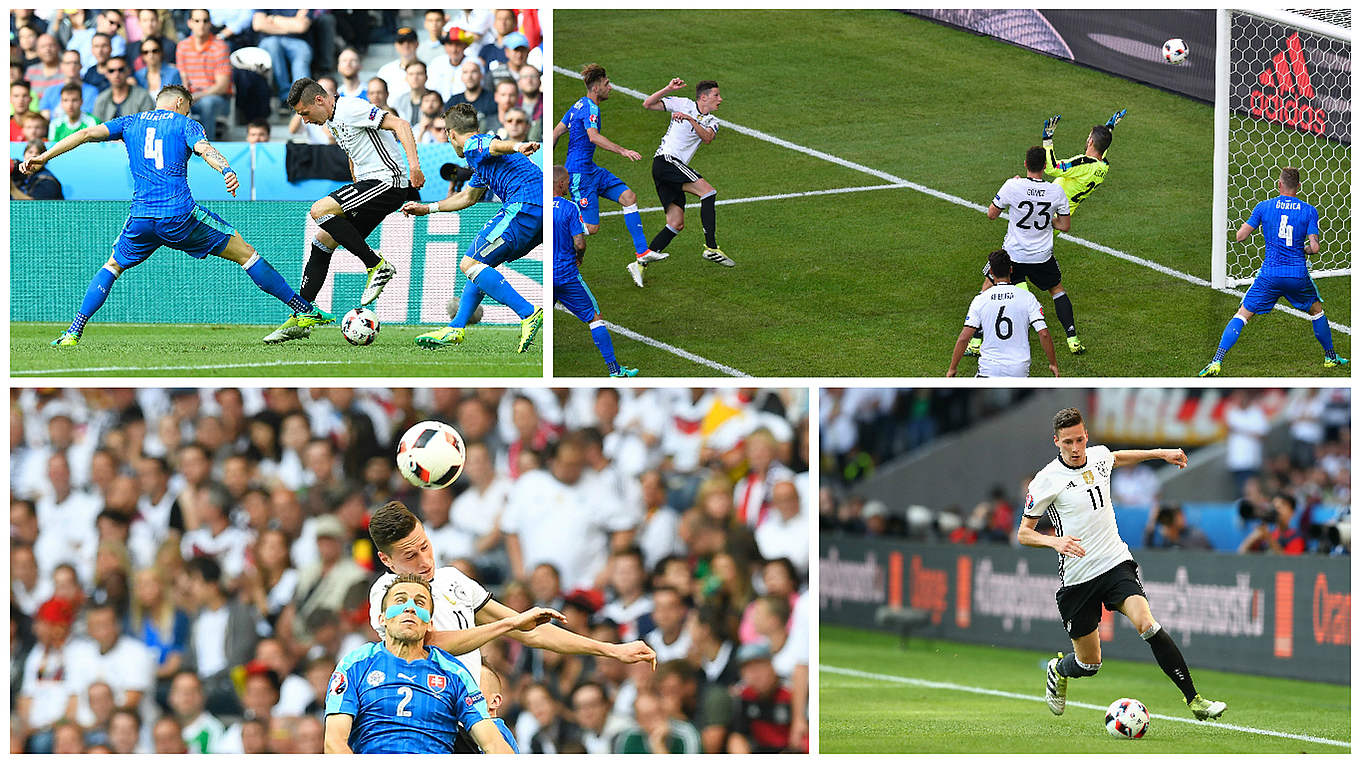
x: 503, y: 168
x: 692, y: 124
x: 569, y: 288
x: 164, y: 213
x: 589, y: 182
x: 1005, y: 350
x: 1095, y: 567
x: 1290, y: 228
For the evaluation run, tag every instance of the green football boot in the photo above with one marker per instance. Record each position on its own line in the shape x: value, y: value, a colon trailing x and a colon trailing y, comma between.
x: 1205, y: 709
x: 1334, y: 361
x: 67, y: 338
x: 528, y: 329
x: 1212, y: 369
x: 442, y: 338
x: 624, y: 372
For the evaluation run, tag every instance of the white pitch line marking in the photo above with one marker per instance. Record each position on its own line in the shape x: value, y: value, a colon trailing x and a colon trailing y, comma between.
x: 956, y: 200
x: 1034, y: 698
x: 668, y: 348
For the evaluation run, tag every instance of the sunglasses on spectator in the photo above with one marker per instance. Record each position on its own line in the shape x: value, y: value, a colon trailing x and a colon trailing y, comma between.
x: 118, y: 70
x: 515, y: 121
x: 149, y: 51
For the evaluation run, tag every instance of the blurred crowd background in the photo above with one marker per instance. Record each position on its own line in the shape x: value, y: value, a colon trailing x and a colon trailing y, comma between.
x: 187, y: 565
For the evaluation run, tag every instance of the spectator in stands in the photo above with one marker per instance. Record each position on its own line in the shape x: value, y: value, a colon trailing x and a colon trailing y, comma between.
x: 531, y: 97
x: 1247, y: 428
x: 195, y: 727
x: 96, y: 73
x: 167, y: 737
x: 761, y: 721
x: 156, y: 621
x: 432, y: 46
x: 222, y: 635
x: 122, y: 97
x: 150, y: 23
x: 555, y: 734
x: 394, y: 72
x: 125, y: 728
x: 431, y: 124
x: 47, y: 72
x: 109, y: 25
x: 504, y: 24
x: 377, y: 93
x: 1276, y: 534
x: 50, y: 104
x: 347, y: 66
x: 475, y: 93
x: 42, y: 185
x: 48, y: 694
x: 784, y: 532
x: 204, y: 64
x: 406, y: 101
x: 324, y: 584
x: 283, y: 34
x: 446, y: 70
x: 257, y: 131
x: 516, y: 59
x: 505, y: 96
x: 599, y: 726
x: 155, y: 73
x: 27, y: 37
x: 67, y: 738
x: 110, y: 657
x: 20, y: 103
x: 653, y: 732
x: 669, y: 639
x: 34, y: 128
x: 1167, y: 528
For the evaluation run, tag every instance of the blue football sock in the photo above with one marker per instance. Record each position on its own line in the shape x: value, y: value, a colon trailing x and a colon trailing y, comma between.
x: 270, y: 281
x: 1323, y: 332
x: 633, y: 221
x: 468, y: 303
x: 94, y: 298
x: 1230, y: 335
x: 600, y: 334
x: 495, y: 286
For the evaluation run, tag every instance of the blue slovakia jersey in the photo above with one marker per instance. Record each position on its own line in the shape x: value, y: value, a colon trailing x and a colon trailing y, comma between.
x: 402, y: 707
x: 511, y: 176
x: 580, y: 150
x: 566, y: 225
x: 159, y: 144
x: 1285, y: 222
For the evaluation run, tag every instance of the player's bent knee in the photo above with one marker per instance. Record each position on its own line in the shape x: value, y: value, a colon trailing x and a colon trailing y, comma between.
x: 113, y: 266
x: 628, y: 198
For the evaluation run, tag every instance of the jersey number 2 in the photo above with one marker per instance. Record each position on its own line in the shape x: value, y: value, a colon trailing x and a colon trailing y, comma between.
x: 1097, y: 498
x: 406, y: 695
x: 153, y: 149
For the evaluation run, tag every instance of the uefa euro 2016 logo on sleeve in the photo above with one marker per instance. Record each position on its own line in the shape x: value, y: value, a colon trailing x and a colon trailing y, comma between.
x: 436, y: 683
x: 472, y: 699
x: 338, y: 683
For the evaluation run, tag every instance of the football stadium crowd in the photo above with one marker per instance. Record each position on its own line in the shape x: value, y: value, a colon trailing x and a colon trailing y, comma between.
x: 188, y: 565
x: 1292, y: 492
x: 71, y: 69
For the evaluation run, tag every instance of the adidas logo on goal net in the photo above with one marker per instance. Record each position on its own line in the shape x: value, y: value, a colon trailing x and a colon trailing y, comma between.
x: 1292, y: 87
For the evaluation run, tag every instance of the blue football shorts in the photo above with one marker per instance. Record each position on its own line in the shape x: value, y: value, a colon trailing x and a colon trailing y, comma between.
x: 1301, y: 292
x: 576, y: 297
x: 514, y: 231
x: 198, y: 233
x: 588, y: 187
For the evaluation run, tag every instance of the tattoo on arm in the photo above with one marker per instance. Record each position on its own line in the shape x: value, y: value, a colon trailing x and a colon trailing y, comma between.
x: 212, y: 155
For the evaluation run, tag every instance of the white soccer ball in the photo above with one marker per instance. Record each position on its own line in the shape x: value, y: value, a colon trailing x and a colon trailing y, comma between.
x: 431, y: 455
x: 359, y: 326
x: 453, y: 310
x: 1175, y: 50
x: 1127, y: 719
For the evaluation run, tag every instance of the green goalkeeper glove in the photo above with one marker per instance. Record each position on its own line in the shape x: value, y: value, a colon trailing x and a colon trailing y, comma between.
x: 1050, y: 125
x: 1115, y: 119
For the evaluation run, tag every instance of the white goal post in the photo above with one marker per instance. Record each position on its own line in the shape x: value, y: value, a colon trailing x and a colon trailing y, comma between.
x: 1282, y: 97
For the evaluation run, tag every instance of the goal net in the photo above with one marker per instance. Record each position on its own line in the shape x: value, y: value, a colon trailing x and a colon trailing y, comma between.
x: 1282, y: 98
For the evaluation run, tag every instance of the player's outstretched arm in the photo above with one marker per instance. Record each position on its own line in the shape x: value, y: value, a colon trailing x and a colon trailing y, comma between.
x: 402, y: 129
x: 965, y: 335
x: 214, y: 158
x: 1134, y: 456
x: 97, y: 133
x: 489, y: 738
x: 456, y: 202
x: 462, y: 642
x: 562, y: 641
x: 653, y: 101
x: 506, y: 147
x: 337, y: 734
x: 1046, y: 341
x: 604, y: 142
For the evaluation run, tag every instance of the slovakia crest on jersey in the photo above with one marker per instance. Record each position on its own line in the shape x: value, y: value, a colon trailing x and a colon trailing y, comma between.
x: 338, y: 683
x: 583, y: 203
x: 436, y: 683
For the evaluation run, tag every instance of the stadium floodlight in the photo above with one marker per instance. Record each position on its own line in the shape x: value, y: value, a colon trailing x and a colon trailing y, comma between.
x: 1282, y: 97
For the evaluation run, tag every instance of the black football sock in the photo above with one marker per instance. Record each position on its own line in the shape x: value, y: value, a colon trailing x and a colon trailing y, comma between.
x: 663, y: 238
x: 347, y: 235
x: 1063, y: 305
x: 1169, y: 657
x: 708, y: 216
x: 1069, y: 666
x: 315, y: 271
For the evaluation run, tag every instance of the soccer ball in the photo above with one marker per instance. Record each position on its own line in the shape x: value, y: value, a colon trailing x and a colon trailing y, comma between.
x: 360, y: 326
x: 1175, y: 50
x: 431, y: 455
x: 1127, y: 719
x: 452, y: 307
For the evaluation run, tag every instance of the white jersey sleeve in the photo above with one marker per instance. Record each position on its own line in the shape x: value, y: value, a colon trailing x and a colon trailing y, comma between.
x: 974, y: 317
x: 1036, y: 313
x: 1042, y: 491
x: 673, y: 103
x: 357, y: 112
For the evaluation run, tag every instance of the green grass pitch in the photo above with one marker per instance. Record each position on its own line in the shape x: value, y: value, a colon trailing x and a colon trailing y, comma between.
x: 859, y: 714
x: 876, y: 283
x: 237, y: 351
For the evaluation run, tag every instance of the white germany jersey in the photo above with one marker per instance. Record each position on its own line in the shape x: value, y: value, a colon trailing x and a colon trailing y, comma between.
x: 680, y: 139
x: 376, y: 153
x: 1033, y: 204
x: 456, y: 601
x: 1002, y: 312
x: 1077, y: 500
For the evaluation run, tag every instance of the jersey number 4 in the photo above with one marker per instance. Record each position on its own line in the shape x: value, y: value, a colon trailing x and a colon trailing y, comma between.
x: 1029, y: 207
x: 1286, y: 231
x: 153, y: 149
x: 1097, y: 498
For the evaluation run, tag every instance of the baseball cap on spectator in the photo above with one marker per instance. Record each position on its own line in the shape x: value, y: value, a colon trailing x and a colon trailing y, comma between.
x: 330, y: 526
x: 458, y: 35
x: 515, y: 40
x: 752, y: 652
x: 57, y: 409
x: 406, y: 34
x: 875, y: 508
x: 588, y: 600
x: 57, y: 611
